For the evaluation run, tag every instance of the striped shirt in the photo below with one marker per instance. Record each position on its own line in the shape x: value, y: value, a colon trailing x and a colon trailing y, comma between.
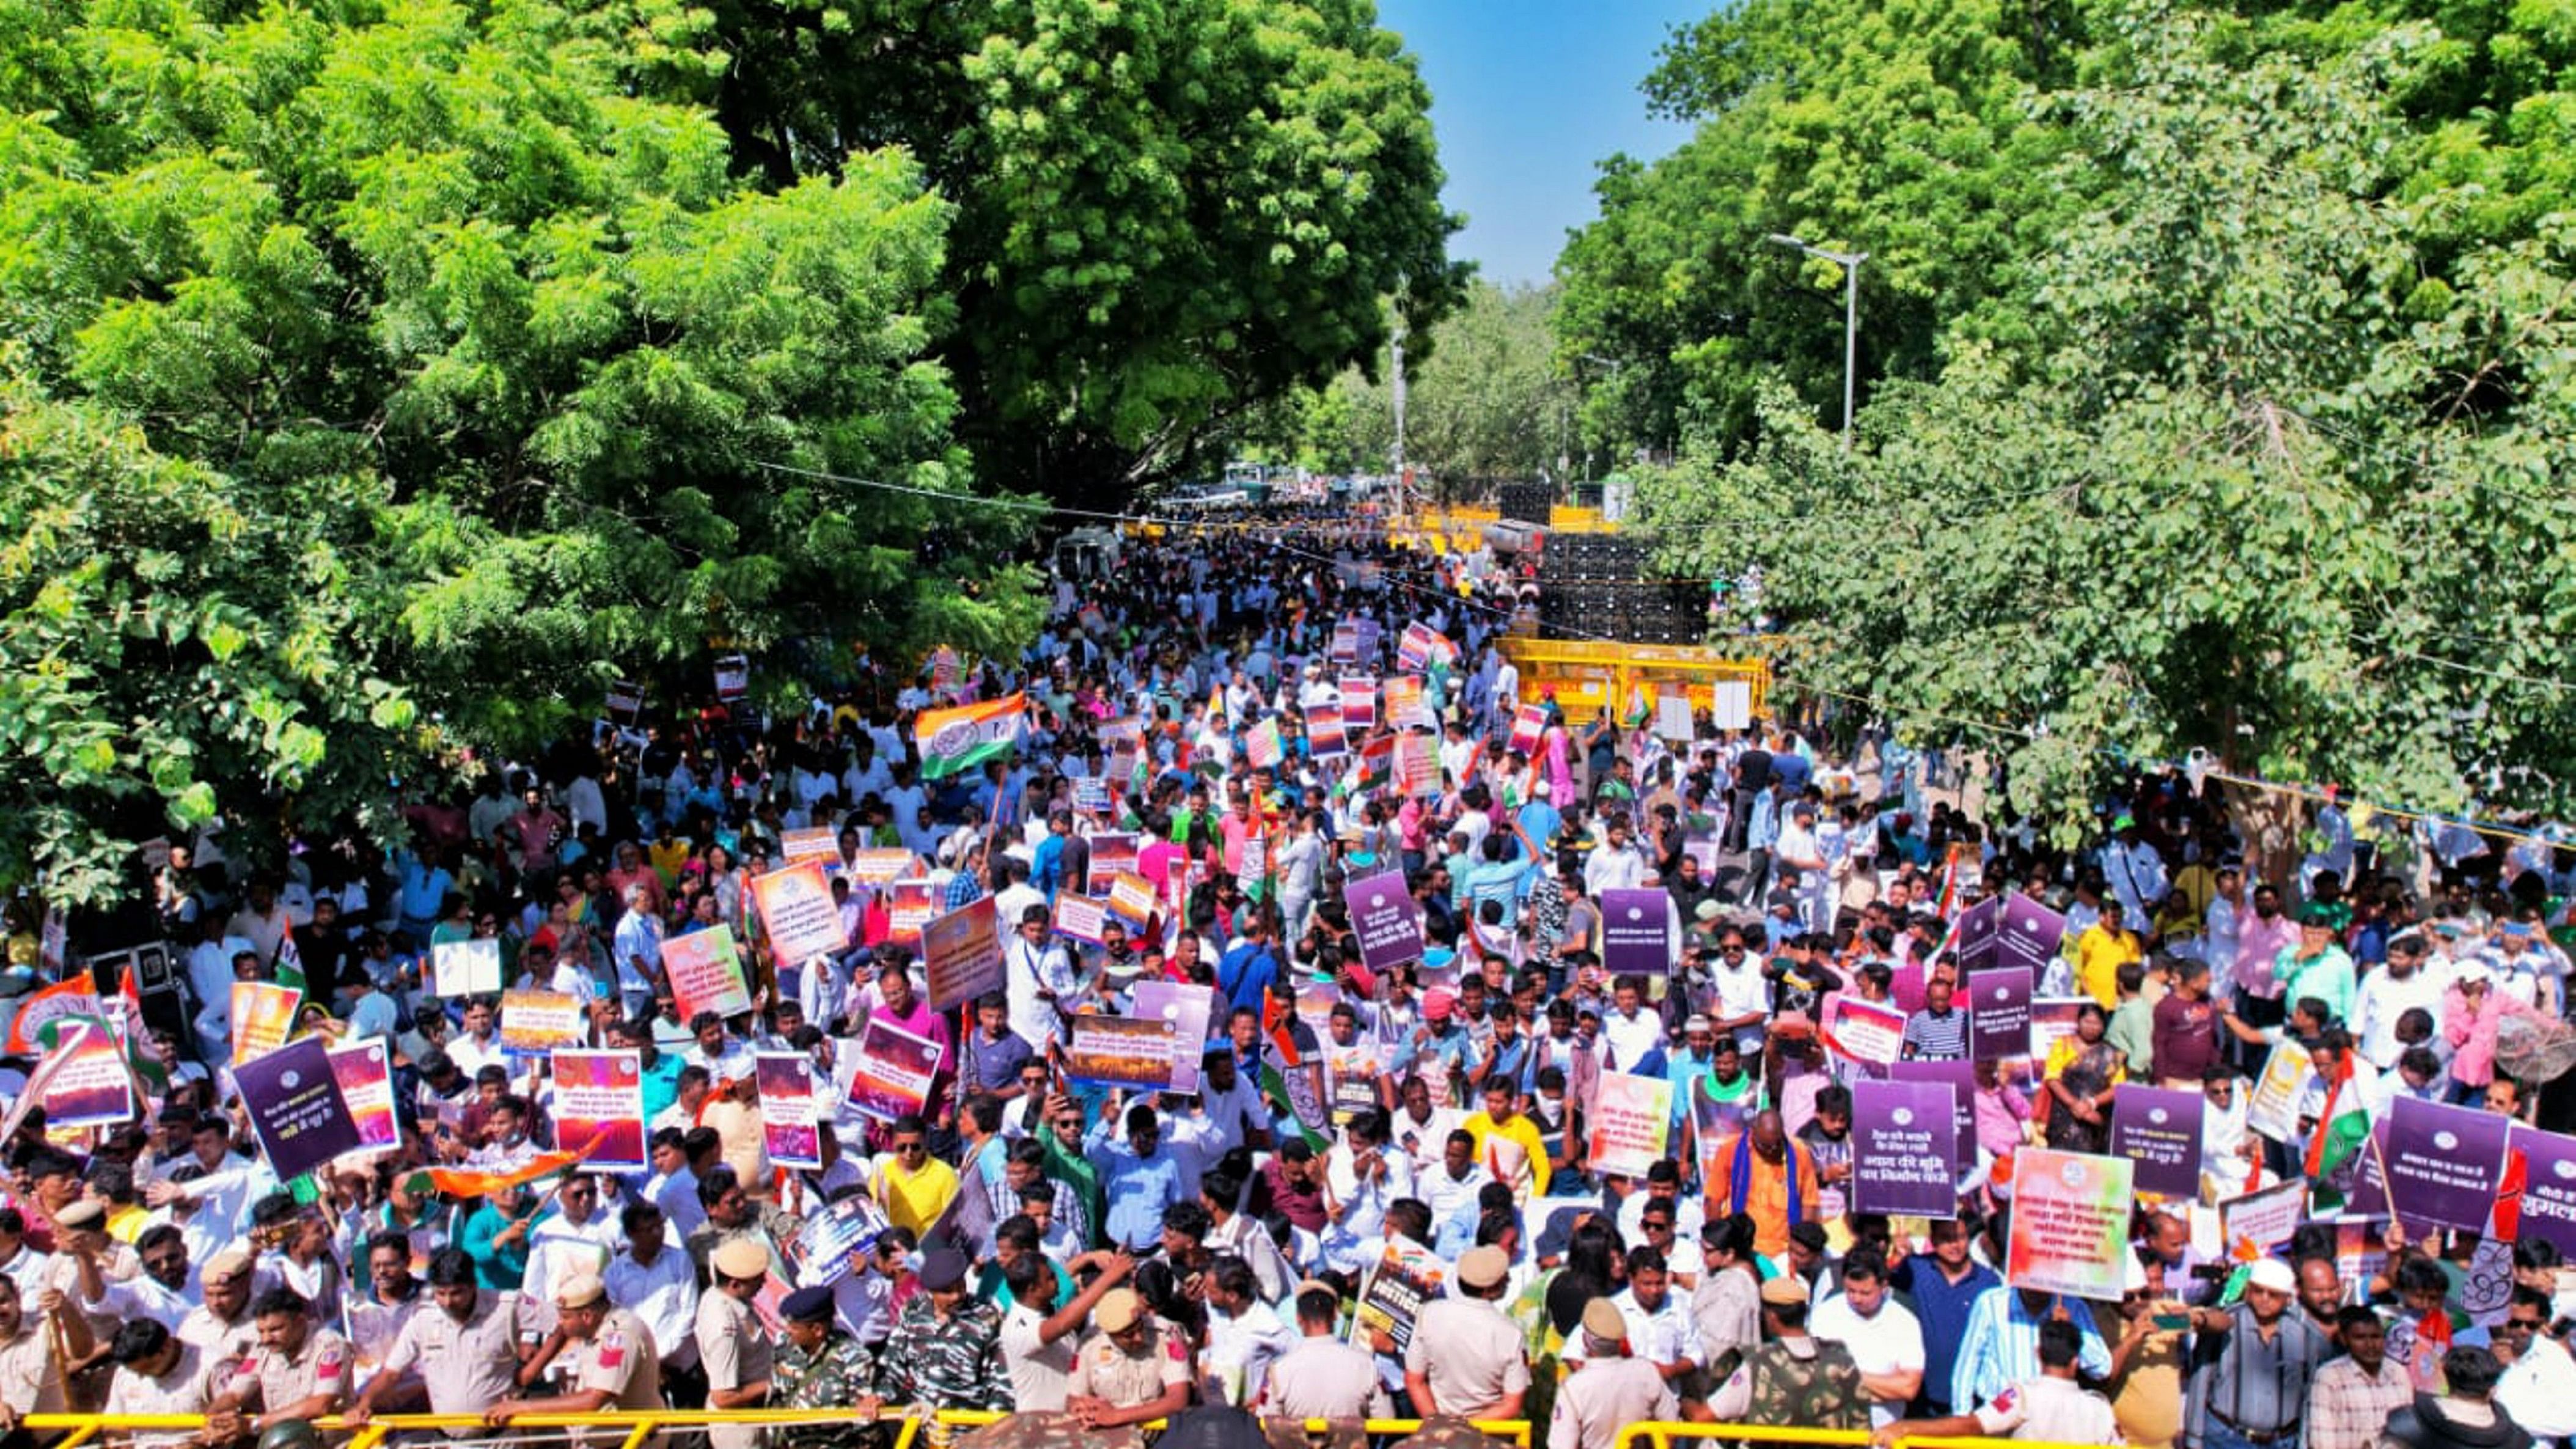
x: 1937, y: 1036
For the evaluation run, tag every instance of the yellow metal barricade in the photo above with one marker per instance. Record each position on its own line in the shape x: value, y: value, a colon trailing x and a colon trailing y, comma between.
x: 639, y: 1424
x: 1655, y: 1435
x: 1516, y: 1431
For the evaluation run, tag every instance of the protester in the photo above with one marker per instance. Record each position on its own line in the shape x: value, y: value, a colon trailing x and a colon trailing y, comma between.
x: 1327, y: 1036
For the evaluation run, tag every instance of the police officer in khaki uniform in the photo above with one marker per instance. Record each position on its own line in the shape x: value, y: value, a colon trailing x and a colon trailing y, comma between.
x: 157, y: 1374
x: 221, y: 1327
x: 1135, y: 1369
x: 298, y: 1371
x: 31, y: 1371
x: 733, y: 1348
x: 466, y: 1344
x: 81, y: 1231
x: 1465, y: 1358
x: 605, y: 1355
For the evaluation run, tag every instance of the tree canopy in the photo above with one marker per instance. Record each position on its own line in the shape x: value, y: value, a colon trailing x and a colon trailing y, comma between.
x: 360, y: 347
x: 1487, y: 398
x: 2266, y: 466
x: 1168, y: 213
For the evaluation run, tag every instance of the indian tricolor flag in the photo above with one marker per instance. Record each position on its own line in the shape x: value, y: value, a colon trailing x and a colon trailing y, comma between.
x: 957, y: 739
x: 2345, y: 1128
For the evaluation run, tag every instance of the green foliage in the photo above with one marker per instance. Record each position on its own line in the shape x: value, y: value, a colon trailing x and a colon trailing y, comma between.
x: 2257, y: 483
x: 175, y: 643
x: 1169, y: 213
x: 1485, y: 400
x: 434, y: 281
x: 1903, y: 132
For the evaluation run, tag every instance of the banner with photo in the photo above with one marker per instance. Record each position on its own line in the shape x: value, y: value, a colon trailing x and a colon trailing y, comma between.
x: 893, y: 1071
x: 1408, y: 1276
x: 790, y: 1108
x: 365, y: 1073
x: 1120, y: 1051
x: 599, y: 1106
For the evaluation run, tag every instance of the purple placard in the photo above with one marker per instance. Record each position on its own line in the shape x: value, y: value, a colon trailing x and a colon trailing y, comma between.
x: 1961, y: 1077
x: 1905, y: 1152
x: 1977, y: 927
x: 2159, y: 1132
x: 2549, y: 1186
x: 2444, y: 1164
x: 1636, y: 933
x: 2030, y: 936
x: 295, y: 1107
x: 1386, y: 918
x: 1999, y: 1015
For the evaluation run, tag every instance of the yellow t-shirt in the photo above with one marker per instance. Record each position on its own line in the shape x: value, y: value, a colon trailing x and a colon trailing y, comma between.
x: 2099, y: 954
x: 915, y: 1199
x: 1524, y: 1170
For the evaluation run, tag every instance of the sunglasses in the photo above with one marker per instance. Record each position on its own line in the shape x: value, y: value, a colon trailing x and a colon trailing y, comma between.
x: 909, y: 1148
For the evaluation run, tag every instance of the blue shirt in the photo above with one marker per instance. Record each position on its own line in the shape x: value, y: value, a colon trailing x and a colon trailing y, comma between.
x: 1762, y: 830
x: 1999, y: 1346
x: 1243, y: 977
x: 1047, y: 866
x: 1941, y: 1306
x: 1136, y: 1189
x: 1540, y: 821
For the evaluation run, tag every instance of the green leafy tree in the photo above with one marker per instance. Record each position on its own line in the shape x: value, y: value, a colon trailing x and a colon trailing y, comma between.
x: 1169, y: 213
x: 2261, y: 484
x: 1908, y: 137
x: 177, y: 643
x: 1485, y: 400
x: 574, y: 400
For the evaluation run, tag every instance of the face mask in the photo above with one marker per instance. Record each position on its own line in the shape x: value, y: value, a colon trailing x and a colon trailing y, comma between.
x: 2268, y: 912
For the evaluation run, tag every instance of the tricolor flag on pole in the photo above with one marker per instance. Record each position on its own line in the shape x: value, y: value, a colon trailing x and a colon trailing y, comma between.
x: 957, y: 739
x: 2343, y: 1128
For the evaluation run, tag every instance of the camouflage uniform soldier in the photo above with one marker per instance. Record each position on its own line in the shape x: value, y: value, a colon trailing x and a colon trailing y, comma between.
x: 820, y: 1367
x: 1793, y: 1377
x: 946, y: 1348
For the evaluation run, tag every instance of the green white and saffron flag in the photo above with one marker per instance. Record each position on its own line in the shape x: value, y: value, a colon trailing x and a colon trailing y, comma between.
x: 963, y: 738
x: 2345, y: 1130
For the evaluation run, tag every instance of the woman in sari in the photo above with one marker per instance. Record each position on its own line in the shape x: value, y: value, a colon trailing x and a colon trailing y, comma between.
x: 2081, y: 1073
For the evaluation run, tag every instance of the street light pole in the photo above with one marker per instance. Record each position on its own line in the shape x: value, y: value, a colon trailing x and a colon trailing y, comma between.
x: 1850, y: 263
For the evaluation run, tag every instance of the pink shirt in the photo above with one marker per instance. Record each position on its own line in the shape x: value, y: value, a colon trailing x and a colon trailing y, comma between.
x: 2000, y: 1113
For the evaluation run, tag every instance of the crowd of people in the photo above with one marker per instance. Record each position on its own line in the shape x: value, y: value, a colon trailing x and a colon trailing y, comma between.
x: 1378, y: 1193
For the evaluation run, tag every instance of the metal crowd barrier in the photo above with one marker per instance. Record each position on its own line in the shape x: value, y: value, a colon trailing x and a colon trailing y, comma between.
x: 642, y: 1424
x: 1655, y: 1435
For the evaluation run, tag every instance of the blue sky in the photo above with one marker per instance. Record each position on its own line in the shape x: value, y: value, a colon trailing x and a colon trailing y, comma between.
x: 1526, y: 96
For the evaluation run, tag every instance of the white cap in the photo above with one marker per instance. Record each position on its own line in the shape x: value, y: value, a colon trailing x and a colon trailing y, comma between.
x: 2273, y: 1274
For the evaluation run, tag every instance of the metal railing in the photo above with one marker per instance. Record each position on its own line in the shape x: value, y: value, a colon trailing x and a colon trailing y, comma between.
x: 642, y: 1424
